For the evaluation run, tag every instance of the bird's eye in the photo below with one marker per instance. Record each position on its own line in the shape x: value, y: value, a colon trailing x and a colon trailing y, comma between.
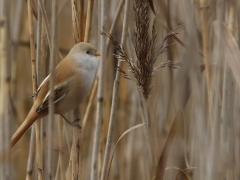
x: 89, y: 52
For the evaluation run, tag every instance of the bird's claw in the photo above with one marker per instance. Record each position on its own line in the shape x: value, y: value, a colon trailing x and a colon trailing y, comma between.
x: 76, y: 120
x: 72, y: 123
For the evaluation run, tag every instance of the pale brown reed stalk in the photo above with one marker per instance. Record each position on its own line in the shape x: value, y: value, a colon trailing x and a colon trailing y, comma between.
x: 148, y: 132
x: 165, y: 153
x: 53, y: 57
x: 32, y: 47
x: 88, y: 20
x: 100, y: 95
x: 42, y: 73
x: 40, y: 77
x: 60, y: 166
x: 115, y: 96
x: 115, y: 20
x: 45, y: 20
x: 36, y: 130
x: 47, y: 26
x: 5, y: 79
x: 60, y: 170
x: 215, y: 91
x: 76, y: 152
x: 99, y: 128
x: 114, y: 25
x: 230, y: 90
x: 16, y: 28
x: 130, y: 142
x: 204, y: 14
x: 34, y: 87
x: 75, y: 22
x: 69, y: 170
x: 60, y: 148
x: 227, y: 97
x: 133, y: 118
x: 81, y: 19
x: 31, y: 155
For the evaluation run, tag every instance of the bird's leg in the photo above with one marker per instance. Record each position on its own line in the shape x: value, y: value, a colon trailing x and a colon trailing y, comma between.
x: 73, y: 123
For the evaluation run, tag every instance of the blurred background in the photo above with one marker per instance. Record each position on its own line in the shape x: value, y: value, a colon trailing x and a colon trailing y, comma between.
x: 188, y: 128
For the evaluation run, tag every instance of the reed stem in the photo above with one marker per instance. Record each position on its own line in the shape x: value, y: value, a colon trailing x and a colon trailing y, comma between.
x: 115, y: 96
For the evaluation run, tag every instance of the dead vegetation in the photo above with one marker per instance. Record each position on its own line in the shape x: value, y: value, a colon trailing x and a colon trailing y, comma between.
x: 166, y: 102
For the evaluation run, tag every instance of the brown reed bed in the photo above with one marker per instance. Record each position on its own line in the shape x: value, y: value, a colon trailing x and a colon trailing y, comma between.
x: 166, y: 102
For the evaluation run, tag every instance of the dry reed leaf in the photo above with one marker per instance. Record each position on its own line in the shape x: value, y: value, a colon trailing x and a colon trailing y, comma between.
x: 126, y: 132
x: 230, y: 49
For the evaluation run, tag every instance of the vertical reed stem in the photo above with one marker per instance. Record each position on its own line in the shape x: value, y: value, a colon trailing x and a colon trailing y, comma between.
x: 81, y: 19
x: 205, y: 47
x: 53, y: 57
x: 5, y: 79
x: 32, y: 47
x: 45, y: 20
x: 214, y: 143
x: 34, y: 87
x: 37, y: 124
x: 100, y: 98
x: 115, y: 20
x: 75, y: 22
x: 31, y: 155
x: 115, y: 95
x: 60, y: 157
x: 88, y: 20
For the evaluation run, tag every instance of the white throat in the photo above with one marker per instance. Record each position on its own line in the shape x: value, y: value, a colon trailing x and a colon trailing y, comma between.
x: 85, y: 61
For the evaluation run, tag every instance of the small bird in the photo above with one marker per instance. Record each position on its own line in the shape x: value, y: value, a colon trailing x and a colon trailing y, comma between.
x: 74, y: 76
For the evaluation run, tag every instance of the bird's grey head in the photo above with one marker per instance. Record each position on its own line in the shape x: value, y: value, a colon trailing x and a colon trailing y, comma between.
x: 84, y: 49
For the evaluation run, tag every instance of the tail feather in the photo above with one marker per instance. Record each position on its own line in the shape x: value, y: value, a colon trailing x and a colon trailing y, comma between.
x: 30, y: 119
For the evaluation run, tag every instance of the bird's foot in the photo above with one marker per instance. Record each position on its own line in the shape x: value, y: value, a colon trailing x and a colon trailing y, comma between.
x: 72, y: 123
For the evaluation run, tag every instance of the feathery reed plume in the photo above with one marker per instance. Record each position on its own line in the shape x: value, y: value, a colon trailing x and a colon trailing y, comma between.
x: 146, y: 49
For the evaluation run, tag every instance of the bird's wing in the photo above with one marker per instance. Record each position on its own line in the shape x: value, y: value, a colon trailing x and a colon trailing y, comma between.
x: 45, y: 82
x: 60, y: 92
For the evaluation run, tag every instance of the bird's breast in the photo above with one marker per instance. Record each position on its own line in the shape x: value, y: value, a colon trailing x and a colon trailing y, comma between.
x: 87, y: 77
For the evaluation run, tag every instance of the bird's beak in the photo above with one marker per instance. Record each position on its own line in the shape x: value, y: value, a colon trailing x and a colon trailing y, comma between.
x: 97, y: 54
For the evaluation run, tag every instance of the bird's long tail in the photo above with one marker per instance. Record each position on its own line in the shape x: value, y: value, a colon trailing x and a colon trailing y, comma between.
x: 30, y: 119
